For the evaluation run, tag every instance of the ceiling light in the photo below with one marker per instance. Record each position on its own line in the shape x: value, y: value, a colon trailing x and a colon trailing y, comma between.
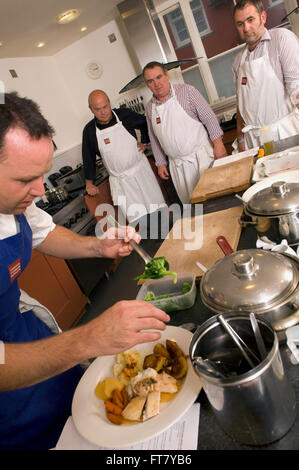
x: 40, y: 44
x: 1, y: 43
x: 84, y: 28
x: 67, y: 16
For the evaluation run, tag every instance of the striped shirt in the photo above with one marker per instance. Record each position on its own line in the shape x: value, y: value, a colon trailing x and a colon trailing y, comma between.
x: 283, y: 51
x: 195, y: 106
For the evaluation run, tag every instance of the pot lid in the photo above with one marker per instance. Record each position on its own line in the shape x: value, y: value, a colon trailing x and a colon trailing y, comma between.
x: 249, y: 280
x: 278, y: 199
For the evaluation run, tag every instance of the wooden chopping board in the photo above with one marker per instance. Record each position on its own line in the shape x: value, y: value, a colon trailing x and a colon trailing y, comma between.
x: 214, y: 224
x: 224, y: 179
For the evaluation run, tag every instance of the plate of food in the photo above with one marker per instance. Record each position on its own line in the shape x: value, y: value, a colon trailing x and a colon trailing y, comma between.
x: 132, y: 396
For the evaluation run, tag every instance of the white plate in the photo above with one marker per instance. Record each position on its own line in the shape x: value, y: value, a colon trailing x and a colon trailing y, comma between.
x: 290, y: 176
x: 89, y: 413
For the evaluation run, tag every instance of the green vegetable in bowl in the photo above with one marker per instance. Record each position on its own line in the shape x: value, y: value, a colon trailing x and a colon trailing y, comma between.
x: 151, y: 296
x: 155, y: 269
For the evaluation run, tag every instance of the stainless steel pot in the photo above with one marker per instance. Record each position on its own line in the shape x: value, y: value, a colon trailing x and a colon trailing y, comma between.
x: 255, y: 406
x: 279, y: 205
x: 263, y: 282
x: 55, y: 195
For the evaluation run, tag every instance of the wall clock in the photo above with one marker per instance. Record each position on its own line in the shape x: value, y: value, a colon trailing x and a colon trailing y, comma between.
x: 94, y: 69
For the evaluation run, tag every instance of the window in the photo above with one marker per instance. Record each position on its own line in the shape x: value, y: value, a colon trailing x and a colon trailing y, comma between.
x: 200, y: 17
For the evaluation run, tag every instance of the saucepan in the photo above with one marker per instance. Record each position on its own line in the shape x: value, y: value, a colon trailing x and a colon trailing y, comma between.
x: 275, y: 209
x: 263, y: 282
x: 60, y: 193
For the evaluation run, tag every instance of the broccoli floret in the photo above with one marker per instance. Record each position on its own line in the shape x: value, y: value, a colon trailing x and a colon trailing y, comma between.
x: 155, y: 269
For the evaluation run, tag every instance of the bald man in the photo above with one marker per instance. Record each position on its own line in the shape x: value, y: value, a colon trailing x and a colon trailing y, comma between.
x: 111, y: 134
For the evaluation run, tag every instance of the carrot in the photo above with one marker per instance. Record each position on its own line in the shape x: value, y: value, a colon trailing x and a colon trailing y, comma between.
x: 112, y: 408
x: 125, y: 397
x: 117, y: 398
x: 115, y: 419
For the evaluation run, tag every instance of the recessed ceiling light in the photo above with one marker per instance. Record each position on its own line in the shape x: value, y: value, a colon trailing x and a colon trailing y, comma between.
x: 84, y: 28
x: 40, y: 44
x: 1, y: 43
x: 67, y: 16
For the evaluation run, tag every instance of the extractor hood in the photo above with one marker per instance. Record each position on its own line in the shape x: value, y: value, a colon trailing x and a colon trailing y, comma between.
x: 137, y: 81
x: 145, y: 38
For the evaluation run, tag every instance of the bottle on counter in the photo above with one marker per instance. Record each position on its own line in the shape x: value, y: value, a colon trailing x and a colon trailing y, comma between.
x: 267, y: 140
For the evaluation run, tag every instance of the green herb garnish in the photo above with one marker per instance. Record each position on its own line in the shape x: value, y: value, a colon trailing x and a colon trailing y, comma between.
x: 155, y: 269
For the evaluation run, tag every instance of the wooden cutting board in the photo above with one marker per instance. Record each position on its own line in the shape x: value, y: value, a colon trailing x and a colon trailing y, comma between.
x: 224, y: 179
x: 214, y: 224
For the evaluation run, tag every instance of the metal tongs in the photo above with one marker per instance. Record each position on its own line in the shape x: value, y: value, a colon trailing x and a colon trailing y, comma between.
x: 245, y: 350
x: 144, y: 255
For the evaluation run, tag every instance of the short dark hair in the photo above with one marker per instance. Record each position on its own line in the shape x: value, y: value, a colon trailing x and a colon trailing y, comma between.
x: 18, y: 112
x: 258, y: 4
x: 153, y: 64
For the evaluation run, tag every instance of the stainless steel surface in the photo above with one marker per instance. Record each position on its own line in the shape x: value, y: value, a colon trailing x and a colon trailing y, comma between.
x: 259, y: 339
x: 263, y: 282
x: 280, y: 198
x: 236, y: 338
x: 211, y: 367
x: 75, y: 216
x: 255, y: 406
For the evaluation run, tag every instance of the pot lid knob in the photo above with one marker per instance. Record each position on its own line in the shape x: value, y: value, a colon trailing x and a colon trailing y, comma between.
x: 280, y: 187
x: 244, y: 264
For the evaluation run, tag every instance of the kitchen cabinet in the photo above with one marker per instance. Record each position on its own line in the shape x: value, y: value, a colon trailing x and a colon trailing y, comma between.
x: 50, y: 281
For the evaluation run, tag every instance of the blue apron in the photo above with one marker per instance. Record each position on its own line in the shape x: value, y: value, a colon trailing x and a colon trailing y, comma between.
x: 32, y: 417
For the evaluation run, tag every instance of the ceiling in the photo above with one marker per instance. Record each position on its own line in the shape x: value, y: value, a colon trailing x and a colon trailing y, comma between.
x: 25, y: 23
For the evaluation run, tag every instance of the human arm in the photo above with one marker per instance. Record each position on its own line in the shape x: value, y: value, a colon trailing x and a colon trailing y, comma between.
x: 219, y: 148
x: 64, y: 243
x: 287, y: 45
x: 91, y: 189
x: 119, y: 328
x: 89, y: 153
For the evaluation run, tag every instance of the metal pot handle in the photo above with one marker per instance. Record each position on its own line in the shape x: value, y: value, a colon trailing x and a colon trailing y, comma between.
x: 287, y: 322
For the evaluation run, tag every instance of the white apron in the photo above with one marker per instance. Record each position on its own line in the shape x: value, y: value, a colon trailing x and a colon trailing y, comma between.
x: 186, y: 143
x: 134, y: 187
x: 263, y: 100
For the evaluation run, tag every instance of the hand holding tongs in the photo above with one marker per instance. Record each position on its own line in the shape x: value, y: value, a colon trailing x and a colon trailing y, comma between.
x: 144, y: 255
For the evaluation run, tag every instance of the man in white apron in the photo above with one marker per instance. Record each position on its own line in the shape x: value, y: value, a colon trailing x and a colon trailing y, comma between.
x: 266, y: 75
x: 183, y: 127
x: 134, y: 187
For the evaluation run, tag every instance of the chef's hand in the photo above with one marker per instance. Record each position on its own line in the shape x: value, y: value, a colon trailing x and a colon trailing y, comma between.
x: 163, y: 172
x: 219, y: 148
x: 124, y: 325
x: 91, y: 189
x: 141, y: 147
x: 115, y: 242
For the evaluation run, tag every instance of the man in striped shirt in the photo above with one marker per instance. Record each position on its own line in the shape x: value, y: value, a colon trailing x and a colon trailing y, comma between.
x: 182, y: 127
x: 266, y: 74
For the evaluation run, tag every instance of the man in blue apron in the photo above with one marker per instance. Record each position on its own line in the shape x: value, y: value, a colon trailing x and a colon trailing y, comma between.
x: 39, y: 365
x: 266, y: 74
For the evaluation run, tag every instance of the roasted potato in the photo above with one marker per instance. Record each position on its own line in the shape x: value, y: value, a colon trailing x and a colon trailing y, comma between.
x: 179, y: 367
x: 173, y: 349
x: 160, y: 350
x: 155, y: 361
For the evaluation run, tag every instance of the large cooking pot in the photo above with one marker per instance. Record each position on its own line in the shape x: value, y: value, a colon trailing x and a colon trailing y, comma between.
x: 264, y: 282
x: 277, y: 204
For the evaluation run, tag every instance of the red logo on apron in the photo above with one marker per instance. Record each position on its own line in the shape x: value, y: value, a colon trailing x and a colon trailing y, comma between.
x: 244, y: 81
x: 158, y: 120
x: 107, y: 141
x: 14, y: 269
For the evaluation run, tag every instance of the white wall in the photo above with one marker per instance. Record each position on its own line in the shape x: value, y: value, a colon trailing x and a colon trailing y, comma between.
x: 60, y: 86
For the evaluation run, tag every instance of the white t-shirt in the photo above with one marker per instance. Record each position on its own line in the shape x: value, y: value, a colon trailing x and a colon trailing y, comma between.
x: 40, y: 222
